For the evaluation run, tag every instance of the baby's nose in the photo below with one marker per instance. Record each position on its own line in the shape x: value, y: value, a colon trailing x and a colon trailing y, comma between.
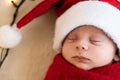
x: 82, y: 45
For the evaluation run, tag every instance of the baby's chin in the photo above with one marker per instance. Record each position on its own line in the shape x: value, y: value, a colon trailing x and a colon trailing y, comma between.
x: 84, y: 66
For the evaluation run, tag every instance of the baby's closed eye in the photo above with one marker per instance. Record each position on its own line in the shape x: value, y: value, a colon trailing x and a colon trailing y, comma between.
x: 96, y: 40
x: 71, y: 38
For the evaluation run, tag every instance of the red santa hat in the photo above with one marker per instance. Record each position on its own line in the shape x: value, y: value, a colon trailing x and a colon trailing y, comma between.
x: 104, y: 14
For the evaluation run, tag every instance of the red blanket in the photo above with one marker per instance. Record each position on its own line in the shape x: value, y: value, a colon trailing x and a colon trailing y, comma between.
x: 62, y: 70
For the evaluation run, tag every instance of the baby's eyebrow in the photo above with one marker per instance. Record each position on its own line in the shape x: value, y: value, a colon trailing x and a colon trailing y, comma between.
x: 101, y: 37
x: 71, y: 34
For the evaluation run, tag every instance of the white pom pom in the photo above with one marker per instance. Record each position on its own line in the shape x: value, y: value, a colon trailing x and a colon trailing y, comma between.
x: 9, y: 36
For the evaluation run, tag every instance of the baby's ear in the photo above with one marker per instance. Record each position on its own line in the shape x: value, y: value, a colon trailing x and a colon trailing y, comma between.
x: 116, y: 58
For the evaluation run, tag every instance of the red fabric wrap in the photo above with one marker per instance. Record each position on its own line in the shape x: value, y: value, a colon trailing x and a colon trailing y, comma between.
x: 62, y: 70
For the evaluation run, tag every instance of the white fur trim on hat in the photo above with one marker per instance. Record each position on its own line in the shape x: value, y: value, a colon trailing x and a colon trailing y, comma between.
x: 9, y: 36
x: 97, y: 13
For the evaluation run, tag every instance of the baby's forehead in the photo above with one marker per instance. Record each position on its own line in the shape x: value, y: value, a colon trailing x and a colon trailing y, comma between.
x: 93, y: 31
x: 87, y: 29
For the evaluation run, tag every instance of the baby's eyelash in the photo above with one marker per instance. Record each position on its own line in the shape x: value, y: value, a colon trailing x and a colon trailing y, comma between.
x: 95, y: 40
x: 69, y: 38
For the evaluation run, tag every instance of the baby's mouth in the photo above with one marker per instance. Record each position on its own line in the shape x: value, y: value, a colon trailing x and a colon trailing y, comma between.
x: 81, y: 59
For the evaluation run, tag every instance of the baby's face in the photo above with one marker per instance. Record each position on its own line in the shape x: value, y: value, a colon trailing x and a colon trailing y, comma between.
x: 88, y: 47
